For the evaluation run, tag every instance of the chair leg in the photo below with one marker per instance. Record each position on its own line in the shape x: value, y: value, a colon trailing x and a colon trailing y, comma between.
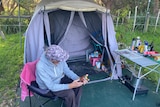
x: 62, y: 103
x: 39, y: 102
x: 41, y: 105
x: 30, y: 98
x: 46, y: 102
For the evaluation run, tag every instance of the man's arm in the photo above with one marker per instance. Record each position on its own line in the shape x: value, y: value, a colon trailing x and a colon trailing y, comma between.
x: 69, y: 72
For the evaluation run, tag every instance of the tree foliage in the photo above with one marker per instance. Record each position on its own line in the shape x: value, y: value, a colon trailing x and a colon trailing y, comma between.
x: 11, y: 6
x: 115, y: 5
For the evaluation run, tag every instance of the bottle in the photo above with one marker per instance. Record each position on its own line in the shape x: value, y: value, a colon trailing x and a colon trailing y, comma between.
x: 141, y: 48
x: 145, y: 46
x: 150, y: 47
x: 96, y: 53
x: 138, y: 41
x: 133, y: 43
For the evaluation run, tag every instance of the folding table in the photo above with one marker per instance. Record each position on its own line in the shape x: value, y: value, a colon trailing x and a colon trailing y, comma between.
x: 142, y: 62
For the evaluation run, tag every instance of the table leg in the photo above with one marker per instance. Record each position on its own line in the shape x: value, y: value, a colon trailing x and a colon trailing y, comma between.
x: 137, y: 83
x: 158, y: 85
x: 139, y: 73
x: 134, y: 94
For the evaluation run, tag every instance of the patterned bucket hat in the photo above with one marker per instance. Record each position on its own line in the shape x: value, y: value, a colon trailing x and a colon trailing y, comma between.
x: 55, y: 52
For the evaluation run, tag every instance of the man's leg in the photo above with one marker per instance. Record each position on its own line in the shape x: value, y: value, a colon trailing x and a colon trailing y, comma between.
x: 78, y: 94
x: 72, y: 97
x: 68, y: 96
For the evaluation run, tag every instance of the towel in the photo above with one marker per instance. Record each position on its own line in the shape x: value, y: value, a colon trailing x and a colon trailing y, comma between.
x: 27, y: 75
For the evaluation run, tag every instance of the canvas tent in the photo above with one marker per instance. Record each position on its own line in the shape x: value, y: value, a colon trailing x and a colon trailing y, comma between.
x: 72, y: 24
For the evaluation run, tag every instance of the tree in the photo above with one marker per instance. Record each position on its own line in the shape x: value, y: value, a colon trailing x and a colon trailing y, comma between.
x: 115, y: 5
x: 10, y: 6
x: 156, y: 6
x: 1, y: 6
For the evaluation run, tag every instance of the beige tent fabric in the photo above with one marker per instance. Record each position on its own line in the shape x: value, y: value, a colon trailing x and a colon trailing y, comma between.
x: 71, y: 5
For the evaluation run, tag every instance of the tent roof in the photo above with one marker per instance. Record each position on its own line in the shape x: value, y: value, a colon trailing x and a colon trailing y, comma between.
x: 70, y: 5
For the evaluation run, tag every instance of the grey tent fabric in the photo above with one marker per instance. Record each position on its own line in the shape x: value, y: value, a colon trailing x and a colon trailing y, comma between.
x: 34, y: 45
x: 94, y: 25
x: 59, y: 21
x: 47, y: 29
x: 77, y: 39
x: 69, y: 24
x: 82, y: 18
x: 72, y: 24
x: 113, y: 46
x: 106, y: 44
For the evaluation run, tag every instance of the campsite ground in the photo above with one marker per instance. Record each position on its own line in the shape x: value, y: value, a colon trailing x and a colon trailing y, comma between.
x: 110, y: 93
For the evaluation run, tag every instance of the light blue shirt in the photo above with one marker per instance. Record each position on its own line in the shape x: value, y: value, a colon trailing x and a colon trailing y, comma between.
x: 49, y: 75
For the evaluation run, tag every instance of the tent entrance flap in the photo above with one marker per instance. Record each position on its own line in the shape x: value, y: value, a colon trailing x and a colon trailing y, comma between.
x: 77, y: 39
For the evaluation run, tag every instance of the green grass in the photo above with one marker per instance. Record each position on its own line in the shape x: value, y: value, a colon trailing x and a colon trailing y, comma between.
x: 11, y: 62
x: 124, y: 35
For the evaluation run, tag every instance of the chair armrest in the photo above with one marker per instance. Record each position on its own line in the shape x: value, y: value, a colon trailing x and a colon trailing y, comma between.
x: 42, y: 92
x: 39, y: 91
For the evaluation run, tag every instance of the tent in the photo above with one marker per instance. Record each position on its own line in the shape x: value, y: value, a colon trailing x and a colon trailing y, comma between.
x: 74, y: 25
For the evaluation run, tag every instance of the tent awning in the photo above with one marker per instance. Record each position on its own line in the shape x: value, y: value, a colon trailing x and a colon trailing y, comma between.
x: 70, y: 5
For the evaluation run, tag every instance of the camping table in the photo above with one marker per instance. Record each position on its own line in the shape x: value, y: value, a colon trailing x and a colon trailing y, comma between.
x: 142, y: 62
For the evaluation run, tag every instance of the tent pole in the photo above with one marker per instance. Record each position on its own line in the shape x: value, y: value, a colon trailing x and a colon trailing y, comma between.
x: 19, y: 20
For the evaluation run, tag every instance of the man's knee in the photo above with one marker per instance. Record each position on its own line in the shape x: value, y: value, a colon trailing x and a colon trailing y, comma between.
x: 70, y: 94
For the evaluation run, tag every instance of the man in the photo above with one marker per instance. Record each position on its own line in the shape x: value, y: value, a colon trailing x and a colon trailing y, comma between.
x: 53, y: 73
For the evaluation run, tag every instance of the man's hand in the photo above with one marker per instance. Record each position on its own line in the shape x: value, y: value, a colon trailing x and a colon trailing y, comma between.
x: 84, y: 79
x: 75, y: 84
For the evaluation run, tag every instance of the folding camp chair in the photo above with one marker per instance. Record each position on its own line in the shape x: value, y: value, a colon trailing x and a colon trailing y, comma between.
x: 29, y: 86
x: 41, y: 92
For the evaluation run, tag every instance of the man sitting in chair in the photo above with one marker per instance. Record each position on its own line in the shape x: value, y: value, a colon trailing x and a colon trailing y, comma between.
x: 53, y: 73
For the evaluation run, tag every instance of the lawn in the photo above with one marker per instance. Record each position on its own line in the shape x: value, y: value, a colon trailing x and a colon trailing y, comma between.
x: 11, y: 62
